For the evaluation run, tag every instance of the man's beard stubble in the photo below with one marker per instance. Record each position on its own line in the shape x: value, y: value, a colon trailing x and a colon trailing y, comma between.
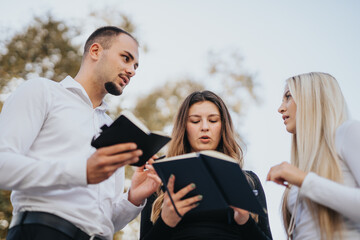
x: 112, y: 88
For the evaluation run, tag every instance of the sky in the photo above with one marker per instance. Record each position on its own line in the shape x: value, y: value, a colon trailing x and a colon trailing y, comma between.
x: 277, y: 39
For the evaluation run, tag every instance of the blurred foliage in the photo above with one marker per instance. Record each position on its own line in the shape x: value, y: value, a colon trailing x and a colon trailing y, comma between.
x: 44, y: 50
x: 159, y: 107
x: 226, y: 67
x: 5, y: 212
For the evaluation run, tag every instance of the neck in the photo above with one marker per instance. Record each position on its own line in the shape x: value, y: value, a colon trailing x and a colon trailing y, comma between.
x: 95, y: 92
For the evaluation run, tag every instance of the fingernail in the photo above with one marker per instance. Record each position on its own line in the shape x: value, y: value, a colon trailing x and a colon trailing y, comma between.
x: 200, y: 197
x: 193, y: 185
x: 172, y: 176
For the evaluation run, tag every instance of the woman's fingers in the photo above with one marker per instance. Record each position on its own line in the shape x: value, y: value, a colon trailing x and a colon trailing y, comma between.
x: 285, y: 174
x: 189, y: 201
x: 182, y: 192
x: 170, y: 184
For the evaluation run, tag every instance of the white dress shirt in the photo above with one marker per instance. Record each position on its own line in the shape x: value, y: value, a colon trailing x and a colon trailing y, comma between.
x: 343, y: 198
x: 45, y: 134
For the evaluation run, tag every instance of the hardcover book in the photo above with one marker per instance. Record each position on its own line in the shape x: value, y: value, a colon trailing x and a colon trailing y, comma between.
x: 127, y: 128
x: 217, y: 177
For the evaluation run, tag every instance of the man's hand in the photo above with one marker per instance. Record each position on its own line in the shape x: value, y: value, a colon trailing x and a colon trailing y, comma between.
x: 144, y: 182
x: 285, y: 174
x: 105, y: 161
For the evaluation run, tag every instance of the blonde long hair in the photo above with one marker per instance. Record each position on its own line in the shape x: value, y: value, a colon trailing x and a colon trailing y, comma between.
x: 180, y: 144
x: 321, y: 109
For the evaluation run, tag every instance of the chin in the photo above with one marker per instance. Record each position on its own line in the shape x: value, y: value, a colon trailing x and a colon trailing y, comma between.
x: 113, y: 89
x: 291, y: 130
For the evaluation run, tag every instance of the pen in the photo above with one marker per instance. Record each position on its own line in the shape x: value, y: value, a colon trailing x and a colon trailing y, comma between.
x: 161, y: 157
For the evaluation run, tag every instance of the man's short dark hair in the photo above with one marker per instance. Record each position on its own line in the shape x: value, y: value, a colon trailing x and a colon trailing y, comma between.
x: 104, y: 36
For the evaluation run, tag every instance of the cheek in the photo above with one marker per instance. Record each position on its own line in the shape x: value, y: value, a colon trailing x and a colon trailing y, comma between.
x: 218, y: 132
x: 190, y: 132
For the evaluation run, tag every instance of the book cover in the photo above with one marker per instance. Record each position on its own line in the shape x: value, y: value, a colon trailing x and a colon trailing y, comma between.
x: 217, y: 176
x: 127, y: 128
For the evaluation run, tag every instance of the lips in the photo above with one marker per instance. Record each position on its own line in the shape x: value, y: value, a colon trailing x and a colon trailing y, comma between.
x: 285, y: 117
x: 125, y: 79
x: 205, y: 139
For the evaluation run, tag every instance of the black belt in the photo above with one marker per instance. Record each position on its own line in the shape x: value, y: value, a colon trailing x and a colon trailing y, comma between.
x: 52, y: 221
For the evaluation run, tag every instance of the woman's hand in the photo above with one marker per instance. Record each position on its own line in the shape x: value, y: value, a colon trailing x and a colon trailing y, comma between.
x: 241, y: 216
x: 168, y: 213
x: 144, y: 182
x: 285, y: 174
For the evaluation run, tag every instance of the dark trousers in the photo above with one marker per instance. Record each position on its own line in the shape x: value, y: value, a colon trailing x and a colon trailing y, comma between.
x: 35, y: 232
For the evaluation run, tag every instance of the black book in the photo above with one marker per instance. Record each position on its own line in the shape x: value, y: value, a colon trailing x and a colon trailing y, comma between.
x: 127, y: 128
x: 217, y: 176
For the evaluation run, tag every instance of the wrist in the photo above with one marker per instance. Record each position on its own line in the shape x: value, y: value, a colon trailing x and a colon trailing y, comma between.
x: 134, y: 200
x: 168, y: 221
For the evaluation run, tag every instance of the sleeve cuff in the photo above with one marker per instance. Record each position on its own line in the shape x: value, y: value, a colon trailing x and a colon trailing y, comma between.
x: 307, y: 184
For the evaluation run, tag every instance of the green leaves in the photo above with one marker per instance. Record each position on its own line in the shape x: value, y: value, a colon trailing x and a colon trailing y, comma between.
x: 44, y: 50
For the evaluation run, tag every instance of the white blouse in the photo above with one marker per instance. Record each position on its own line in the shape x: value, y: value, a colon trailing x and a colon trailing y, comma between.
x: 343, y: 198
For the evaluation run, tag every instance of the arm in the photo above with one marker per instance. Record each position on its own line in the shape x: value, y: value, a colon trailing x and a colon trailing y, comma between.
x: 349, y: 142
x: 168, y: 219
x: 21, y: 120
x: 329, y: 193
x: 144, y: 183
x: 325, y: 191
x: 261, y: 229
x: 338, y: 197
x: 148, y: 230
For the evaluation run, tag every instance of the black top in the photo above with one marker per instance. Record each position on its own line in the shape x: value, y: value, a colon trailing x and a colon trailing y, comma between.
x: 218, y: 224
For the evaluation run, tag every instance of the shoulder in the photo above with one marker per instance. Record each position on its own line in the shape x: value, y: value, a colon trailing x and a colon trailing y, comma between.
x: 40, y: 81
x: 347, y: 126
x: 30, y: 90
x: 347, y: 133
x: 254, y: 178
x: 252, y: 175
x: 38, y: 84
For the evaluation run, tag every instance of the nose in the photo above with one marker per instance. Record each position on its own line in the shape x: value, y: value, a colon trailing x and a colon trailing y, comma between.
x: 130, y: 70
x: 204, y: 126
x: 281, y: 108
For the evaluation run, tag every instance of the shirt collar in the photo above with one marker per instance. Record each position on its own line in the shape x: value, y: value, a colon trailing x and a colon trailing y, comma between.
x: 74, y: 86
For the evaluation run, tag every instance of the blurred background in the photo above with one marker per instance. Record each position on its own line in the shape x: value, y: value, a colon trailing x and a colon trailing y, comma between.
x: 241, y: 50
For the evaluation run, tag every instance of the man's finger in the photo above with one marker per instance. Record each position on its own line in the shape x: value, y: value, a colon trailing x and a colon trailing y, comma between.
x: 117, y: 148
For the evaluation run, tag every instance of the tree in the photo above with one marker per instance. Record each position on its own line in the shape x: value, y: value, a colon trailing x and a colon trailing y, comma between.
x: 226, y: 77
x: 158, y: 108
x: 44, y: 49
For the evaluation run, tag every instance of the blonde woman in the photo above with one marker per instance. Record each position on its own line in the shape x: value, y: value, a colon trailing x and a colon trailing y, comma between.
x: 202, y: 123
x: 322, y: 199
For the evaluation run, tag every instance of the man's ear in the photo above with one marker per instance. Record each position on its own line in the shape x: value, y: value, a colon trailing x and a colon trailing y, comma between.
x: 94, y: 51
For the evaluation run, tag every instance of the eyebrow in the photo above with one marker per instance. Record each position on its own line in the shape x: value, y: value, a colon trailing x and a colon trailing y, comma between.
x: 211, y: 115
x: 132, y: 57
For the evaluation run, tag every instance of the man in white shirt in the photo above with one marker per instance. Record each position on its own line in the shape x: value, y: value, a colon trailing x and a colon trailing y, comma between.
x: 62, y: 188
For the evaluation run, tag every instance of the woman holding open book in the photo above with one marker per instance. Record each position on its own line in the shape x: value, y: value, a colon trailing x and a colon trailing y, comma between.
x: 322, y: 199
x: 202, y: 123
